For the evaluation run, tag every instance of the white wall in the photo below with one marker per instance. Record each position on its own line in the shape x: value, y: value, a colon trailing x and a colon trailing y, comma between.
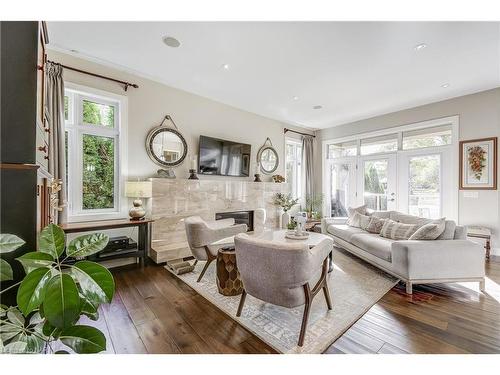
x: 479, y: 118
x: 193, y: 114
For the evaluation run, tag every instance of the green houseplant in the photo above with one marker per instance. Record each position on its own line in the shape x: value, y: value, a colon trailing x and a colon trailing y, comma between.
x: 56, y: 291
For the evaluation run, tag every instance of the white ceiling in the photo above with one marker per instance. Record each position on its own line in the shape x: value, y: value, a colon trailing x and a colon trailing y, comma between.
x: 354, y: 70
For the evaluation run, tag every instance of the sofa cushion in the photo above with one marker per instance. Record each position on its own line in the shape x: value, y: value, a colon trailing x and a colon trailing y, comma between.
x: 344, y: 232
x: 374, y: 245
x: 375, y: 225
x: 429, y: 231
x: 359, y: 221
x: 449, y: 230
x: 408, y: 219
x: 398, y: 231
x: 382, y: 214
x: 352, y: 211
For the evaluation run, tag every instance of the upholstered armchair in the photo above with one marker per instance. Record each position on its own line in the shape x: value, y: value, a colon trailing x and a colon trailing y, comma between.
x: 202, y: 234
x: 284, y: 274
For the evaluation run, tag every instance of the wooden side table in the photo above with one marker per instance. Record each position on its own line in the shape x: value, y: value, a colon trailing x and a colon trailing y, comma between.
x: 228, y: 277
x: 483, y: 233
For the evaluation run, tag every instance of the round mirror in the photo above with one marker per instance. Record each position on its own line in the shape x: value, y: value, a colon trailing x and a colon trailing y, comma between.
x: 166, y: 146
x: 268, y: 158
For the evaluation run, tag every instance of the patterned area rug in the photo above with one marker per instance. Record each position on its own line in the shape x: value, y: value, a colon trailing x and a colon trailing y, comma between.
x: 354, y: 285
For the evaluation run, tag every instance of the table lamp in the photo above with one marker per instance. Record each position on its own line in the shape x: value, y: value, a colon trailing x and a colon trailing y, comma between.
x: 137, y: 190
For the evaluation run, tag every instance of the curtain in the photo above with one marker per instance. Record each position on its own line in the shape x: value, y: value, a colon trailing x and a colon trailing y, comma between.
x: 308, y: 165
x: 57, y: 157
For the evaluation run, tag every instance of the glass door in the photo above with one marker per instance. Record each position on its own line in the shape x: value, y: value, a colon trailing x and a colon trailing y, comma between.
x: 341, y: 187
x: 377, y: 182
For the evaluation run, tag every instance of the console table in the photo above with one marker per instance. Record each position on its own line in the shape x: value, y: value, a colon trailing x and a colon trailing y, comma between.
x: 483, y: 233
x: 143, y: 240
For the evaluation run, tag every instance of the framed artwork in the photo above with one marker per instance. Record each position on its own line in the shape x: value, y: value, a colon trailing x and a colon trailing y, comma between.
x: 478, y: 164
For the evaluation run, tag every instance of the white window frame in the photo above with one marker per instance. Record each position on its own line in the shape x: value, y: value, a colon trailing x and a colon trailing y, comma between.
x: 298, y: 184
x: 452, y: 121
x: 76, y: 132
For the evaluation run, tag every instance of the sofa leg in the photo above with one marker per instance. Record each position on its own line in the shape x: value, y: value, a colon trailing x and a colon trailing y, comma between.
x: 305, y: 318
x: 409, y: 288
x: 242, y: 302
x: 482, y: 285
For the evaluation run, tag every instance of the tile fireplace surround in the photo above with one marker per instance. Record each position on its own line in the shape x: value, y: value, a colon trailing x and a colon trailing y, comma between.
x: 176, y: 199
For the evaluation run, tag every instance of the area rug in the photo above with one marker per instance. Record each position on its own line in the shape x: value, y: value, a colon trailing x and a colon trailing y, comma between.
x: 354, y: 285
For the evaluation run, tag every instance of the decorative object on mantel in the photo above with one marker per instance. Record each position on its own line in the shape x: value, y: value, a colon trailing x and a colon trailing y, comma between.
x: 478, y: 164
x: 192, y: 170
x: 483, y: 233
x: 278, y: 178
x: 286, y: 202
x: 166, y: 173
x: 166, y: 147
x: 257, y: 174
x: 267, y: 157
x: 137, y: 190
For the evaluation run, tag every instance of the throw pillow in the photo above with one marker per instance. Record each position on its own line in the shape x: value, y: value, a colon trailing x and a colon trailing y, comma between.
x: 397, y: 231
x: 358, y: 221
x: 429, y: 231
x: 375, y: 225
x: 352, y: 210
x: 449, y: 230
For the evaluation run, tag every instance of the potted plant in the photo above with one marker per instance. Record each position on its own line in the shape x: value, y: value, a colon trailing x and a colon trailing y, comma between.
x: 314, y: 203
x: 285, y: 202
x: 56, y: 291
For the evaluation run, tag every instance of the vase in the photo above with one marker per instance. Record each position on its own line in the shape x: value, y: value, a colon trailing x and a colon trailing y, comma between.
x: 285, y: 220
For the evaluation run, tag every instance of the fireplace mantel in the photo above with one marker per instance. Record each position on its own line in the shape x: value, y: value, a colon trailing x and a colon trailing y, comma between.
x: 176, y: 199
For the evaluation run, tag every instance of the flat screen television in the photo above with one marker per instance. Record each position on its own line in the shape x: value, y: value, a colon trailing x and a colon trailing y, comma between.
x: 219, y: 157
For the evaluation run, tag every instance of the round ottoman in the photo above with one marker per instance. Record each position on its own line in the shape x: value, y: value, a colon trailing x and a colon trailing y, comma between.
x: 228, y: 277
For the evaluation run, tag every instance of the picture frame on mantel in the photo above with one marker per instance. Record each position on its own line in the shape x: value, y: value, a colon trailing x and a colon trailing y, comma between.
x: 478, y: 164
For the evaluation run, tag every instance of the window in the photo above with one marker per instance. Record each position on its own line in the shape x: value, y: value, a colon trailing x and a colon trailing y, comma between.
x: 387, y: 143
x: 430, y: 137
x: 92, y: 153
x: 294, y: 167
x: 344, y: 149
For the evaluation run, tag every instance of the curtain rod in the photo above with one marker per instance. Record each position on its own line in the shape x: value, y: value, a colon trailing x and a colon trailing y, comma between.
x: 294, y: 131
x: 126, y: 84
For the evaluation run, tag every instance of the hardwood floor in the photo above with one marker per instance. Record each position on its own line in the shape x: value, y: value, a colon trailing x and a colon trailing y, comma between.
x: 154, y: 312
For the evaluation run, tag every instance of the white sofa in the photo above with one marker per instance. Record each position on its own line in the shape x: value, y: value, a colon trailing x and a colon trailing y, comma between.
x: 450, y: 258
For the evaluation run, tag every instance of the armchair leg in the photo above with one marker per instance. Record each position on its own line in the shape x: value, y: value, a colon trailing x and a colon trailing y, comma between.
x: 210, y: 259
x: 242, y: 302
x: 305, y: 317
x: 328, y: 299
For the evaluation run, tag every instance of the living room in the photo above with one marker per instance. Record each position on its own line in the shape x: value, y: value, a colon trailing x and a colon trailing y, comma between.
x: 250, y: 187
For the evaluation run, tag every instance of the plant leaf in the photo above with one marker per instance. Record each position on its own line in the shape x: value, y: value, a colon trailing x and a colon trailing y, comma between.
x: 17, y: 347
x: 52, y: 240
x: 88, y: 308
x: 34, y: 260
x: 7, y: 331
x: 50, y: 331
x: 36, y: 319
x: 62, y: 303
x: 15, y: 317
x: 10, y: 242
x: 86, y: 245
x: 96, y: 282
x: 84, y: 339
x: 34, y: 344
x: 31, y: 292
x: 5, y: 271
x: 61, y: 352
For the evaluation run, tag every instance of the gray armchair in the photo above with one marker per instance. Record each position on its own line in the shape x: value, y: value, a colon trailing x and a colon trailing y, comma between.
x: 202, y: 234
x: 283, y: 274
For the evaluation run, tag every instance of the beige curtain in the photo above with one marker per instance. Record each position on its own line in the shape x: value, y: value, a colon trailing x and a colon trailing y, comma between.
x: 308, y: 165
x: 57, y: 157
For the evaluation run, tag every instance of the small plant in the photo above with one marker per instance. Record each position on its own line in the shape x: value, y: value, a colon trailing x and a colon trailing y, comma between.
x: 314, y: 203
x: 54, y: 294
x: 285, y: 201
x: 292, y: 225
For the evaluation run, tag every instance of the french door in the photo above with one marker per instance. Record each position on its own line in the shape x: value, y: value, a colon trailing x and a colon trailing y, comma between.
x: 377, y: 182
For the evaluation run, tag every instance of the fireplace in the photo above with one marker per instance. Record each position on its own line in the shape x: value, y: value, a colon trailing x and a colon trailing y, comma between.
x: 240, y: 217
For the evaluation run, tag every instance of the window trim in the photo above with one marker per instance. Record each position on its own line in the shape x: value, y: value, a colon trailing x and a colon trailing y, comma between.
x: 453, y: 121
x: 75, y: 160
x: 296, y: 142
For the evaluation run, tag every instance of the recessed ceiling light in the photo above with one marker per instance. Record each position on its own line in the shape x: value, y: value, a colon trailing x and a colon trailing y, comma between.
x: 317, y: 107
x: 295, y: 98
x: 421, y: 46
x: 225, y: 66
x: 171, y: 42
x: 445, y: 85
x: 74, y: 50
